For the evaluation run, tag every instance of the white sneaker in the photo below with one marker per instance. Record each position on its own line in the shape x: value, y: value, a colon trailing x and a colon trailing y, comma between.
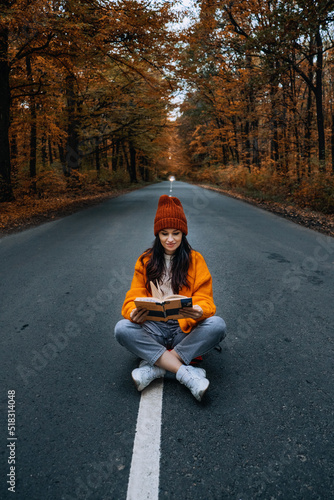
x: 200, y: 371
x: 145, y: 374
x: 190, y: 377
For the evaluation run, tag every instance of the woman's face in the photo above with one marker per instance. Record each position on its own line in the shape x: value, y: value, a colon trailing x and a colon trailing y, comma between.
x: 170, y: 239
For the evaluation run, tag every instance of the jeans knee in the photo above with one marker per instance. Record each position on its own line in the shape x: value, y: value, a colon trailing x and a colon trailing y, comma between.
x: 120, y: 330
x: 219, y: 327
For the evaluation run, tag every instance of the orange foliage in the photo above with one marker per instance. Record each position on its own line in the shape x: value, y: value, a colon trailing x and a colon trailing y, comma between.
x: 267, y: 184
x: 258, y: 115
x: 88, y: 90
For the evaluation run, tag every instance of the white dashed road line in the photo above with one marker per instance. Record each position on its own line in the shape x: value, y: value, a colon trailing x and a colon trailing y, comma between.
x: 145, y: 465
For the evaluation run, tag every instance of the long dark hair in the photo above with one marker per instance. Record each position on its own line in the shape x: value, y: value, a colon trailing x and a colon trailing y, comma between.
x: 156, y: 265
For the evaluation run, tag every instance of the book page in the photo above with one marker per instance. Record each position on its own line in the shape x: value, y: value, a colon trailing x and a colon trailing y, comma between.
x: 171, y: 297
x: 156, y: 292
x: 146, y: 299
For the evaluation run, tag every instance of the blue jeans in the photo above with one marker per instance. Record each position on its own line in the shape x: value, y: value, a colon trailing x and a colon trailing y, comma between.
x: 151, y: 339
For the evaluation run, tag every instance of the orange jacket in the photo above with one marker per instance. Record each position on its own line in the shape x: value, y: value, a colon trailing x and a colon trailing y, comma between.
x: 200, y: 290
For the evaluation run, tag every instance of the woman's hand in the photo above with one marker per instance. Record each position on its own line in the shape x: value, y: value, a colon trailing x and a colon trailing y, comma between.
x: 194, y: 312
x: 139, y: 315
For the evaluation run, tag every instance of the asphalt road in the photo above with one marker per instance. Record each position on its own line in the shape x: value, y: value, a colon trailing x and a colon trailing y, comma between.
x: 265, y: 429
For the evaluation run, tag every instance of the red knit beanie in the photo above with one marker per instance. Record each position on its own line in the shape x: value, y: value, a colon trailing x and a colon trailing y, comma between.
x: 170, y: 214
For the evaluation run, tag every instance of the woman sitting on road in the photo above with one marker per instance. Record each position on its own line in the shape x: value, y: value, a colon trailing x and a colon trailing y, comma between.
x: 174, y: 268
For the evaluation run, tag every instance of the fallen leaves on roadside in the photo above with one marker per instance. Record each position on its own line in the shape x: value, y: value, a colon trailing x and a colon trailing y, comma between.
x: 28, y: 212
x: 314, y: 220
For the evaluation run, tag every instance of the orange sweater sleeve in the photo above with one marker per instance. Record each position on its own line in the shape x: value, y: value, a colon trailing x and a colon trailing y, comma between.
x: 137, y: 289
x: 201, y: 292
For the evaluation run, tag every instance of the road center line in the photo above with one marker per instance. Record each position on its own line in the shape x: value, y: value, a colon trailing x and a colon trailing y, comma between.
x: 145, y: 464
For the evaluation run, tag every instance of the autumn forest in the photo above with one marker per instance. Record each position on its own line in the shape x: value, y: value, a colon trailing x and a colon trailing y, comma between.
x: 100, y: 94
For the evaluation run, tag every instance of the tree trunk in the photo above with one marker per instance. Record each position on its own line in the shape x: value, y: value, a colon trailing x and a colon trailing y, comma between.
x: 274, y: 126
x: 235, y: 151
x: 61, y: 153
x: 274, y: 143
x: 33, y: 129
x: 43, y: 150
x: 249, y: 127
x: 115, y: 154
x: 247, y: 144
x: 285, y: 141
x: 50, y: 151
x: 255, y: 147
x: 105, y: 149
x: 133, y: 173
x: 319, y: 104
x: 13, y: 153
x: 130, y: 164
x: 143, y: 169
x: 33, y: 144
x: 308, y: 130
x: 72, y: 147
x: 6, y: 189
x: 97, y: 157
x: 332, y: 140
x: 297, y: 154
x: 220, y: 125
x: 225, y: 154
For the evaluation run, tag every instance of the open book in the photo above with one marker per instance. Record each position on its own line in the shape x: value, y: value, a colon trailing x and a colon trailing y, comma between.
x: 163, y: 308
